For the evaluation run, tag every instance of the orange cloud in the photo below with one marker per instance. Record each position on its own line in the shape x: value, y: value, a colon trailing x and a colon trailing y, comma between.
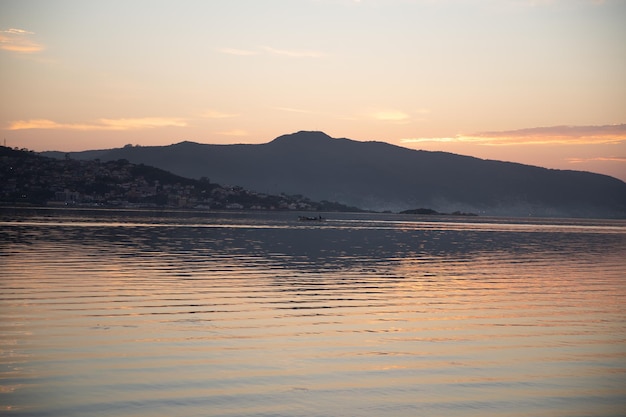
x: 293, y: 110
x: 554, y: 135
x: 621, y: 159
x: 391, y: 116
x: 101, y: 124
x: 214, y: 114
x: 18, y: 40
x: 234, y: 132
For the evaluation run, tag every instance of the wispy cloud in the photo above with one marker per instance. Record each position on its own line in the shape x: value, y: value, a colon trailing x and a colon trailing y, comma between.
x: 448, y: 139
x: 293, y: 53
x: 546, y: 3
x: 19, y: 40
x: 390, y: 115
x: 214, y: 114
x: 101, y: 124
x: 239, y: 52
x: 293, y: 110
x: 233, y: 132
x: 143, y: 123
x: 397, y: 116
x: 621, y: 159
x: 554, y: 135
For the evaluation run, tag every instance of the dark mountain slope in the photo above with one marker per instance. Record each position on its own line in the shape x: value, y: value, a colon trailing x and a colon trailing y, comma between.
x: 380, y: 176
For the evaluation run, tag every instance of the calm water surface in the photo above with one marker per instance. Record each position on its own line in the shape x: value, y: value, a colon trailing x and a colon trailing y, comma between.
x: 233, y: 314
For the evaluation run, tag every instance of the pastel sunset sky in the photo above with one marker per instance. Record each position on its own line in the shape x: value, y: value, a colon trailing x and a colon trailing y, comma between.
x: 541, y: 82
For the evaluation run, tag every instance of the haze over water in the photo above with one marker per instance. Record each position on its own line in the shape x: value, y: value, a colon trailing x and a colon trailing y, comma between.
x: 238, y: 314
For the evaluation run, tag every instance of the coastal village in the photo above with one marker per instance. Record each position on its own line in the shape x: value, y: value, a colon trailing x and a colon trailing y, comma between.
x: 32, y: 179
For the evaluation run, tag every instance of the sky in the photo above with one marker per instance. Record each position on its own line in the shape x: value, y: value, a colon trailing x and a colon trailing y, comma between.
x: 541, y: 82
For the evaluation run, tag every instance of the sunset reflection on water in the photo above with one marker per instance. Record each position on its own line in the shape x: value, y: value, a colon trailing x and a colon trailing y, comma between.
x: 188, y: 316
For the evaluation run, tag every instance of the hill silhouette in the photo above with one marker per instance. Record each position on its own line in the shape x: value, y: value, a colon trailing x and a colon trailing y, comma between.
x: 380, y: 176
x: 30, y: 179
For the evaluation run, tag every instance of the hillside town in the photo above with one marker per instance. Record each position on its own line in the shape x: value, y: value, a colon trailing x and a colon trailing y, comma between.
x: 32, y: 179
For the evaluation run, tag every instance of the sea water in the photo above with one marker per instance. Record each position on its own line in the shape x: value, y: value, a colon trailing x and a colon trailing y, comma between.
x: 138, y: 313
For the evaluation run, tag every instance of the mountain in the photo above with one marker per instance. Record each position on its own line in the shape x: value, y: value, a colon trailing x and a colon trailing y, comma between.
x: 381, y: 176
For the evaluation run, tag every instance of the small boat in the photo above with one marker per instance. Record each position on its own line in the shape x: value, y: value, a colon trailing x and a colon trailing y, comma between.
x: 310, y: 219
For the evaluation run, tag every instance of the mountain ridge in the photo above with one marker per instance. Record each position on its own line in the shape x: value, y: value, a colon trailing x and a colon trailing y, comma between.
x: 381, y: 176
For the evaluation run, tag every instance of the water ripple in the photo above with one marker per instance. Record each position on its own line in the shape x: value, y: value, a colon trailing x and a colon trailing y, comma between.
x: 178, y: 314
